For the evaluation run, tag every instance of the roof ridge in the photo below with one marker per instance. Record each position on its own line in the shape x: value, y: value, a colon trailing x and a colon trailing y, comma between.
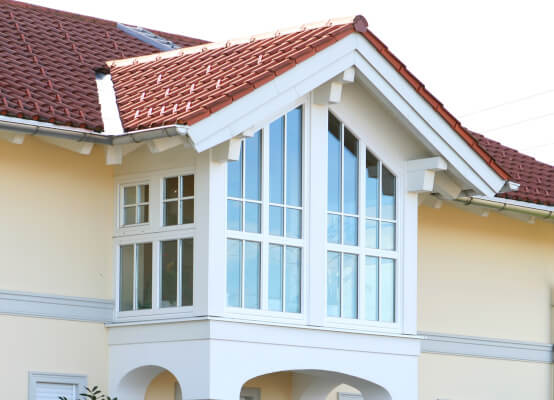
x: 360, y: 25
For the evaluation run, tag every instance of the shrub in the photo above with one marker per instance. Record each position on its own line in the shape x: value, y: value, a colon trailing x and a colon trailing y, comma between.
x: 92, y: 394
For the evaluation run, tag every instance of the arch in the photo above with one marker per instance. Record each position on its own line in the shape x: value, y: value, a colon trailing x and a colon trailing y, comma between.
x: 135, y: 383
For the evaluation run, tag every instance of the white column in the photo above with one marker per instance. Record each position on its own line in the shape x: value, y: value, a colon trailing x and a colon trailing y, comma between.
x: 410, y: 264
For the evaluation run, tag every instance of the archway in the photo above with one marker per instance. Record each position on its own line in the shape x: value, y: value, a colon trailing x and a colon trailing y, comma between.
x: 149, y: 383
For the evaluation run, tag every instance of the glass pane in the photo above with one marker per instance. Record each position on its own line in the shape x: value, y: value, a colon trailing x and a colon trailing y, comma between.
x: 294, y: 223
x: 334, y: 165
x: 275, y: 286
x: 276, y: 221
x: 276, y: 160
x: 387, y: 290
x: 171, y: 213
x: 371, y: 288
x: 333, y: 228
x: 350, y: 286
x: 252, y: 275
x: 350, y: 173
x: 126, y: 277
x: 293, y: 280
x: 371, y: 185
x: 351, y: 231
x: 171, y: 190
x: 130, y: 195
x: 187, y: 211
x: 169, y: 274
x: 234, y: 215
x: 234, y: 176
x: 371, y: 234
x: 144, y: 276
x: 142, y: 194
x: 333, y: 284
x: 186, y: 272
x: 142, y: 214
x: 129, y: 215
x: 234, y: 268
x: 253, y: 167
x: 252, y: 217
x: 388, y: 201
x: 388, y: 236
x: 187, y: 186
x: 294, y: 157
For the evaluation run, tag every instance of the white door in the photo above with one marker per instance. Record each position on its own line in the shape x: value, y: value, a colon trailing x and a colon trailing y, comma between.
x: 51, y: 391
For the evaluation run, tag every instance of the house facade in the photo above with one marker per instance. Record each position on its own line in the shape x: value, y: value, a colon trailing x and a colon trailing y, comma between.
x: 288, y: 216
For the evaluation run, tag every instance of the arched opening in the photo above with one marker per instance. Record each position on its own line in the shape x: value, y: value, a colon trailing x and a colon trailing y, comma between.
x: 149, y: 383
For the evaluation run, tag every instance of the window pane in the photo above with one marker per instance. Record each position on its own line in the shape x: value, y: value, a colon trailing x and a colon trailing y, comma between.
x: 253, y: 167
x: 350, y: 173
x: 234, y: 215
x: 276, y: 154
x: 294, y: 157
x: 187, y: 211
x: 169, y: 274
x: 388, y: 201
x: 371, y: 234
x: 351, y: 231
x: 276, y: 221
x: 171, y: 188
x: 387, y: 236
x: 350, y: 286
x: 187, y: 185
x: 275, y: 286
x: 387, y: 290
x: 252, y: 217
x: 333, y: 228
x: 371, y: 288
x: 142, y: 214
x: 144, y: 276
x: 129, y: 215
x: 126, y: 278
x: 130, y: 195
x: 293, y: 280
x: 171, y: 212
x: 234, y: 268
x: 294, y: 223
x: 333, y: 284
x: 186, y: 272
x: 371, y: 185
x: 234, y: 176
x: 143, y: 194
x: 334, y: 165
x: 252, y: 275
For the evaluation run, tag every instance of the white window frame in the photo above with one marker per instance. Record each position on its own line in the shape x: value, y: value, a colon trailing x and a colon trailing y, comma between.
x: 361, y: 251
x: 178, y: 199
x: 45, y: 377
x: 122, y: 206
x: 264, y: 238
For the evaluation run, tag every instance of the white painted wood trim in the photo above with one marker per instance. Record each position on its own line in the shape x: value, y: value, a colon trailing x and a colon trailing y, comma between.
x: 44, y: 377
x: 55, y: 306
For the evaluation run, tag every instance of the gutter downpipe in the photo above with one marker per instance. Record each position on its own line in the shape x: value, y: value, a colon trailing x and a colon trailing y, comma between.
x: 504, y: 206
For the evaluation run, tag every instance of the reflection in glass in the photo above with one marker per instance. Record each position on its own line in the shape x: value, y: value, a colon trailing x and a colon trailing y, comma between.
x: 350, y: 173
x: 253, y: 167
x: 171, y: 212
x: 293, y: 280
x: 187, y: 211
x: 276, y: 221
x: 186, y: 272
x: 350, y: 286
x: 294, y: 157
x: 234, y: 267
x: 171, y: 188
x: 275, y: 272
x: 351, y: 231
x: 387, y: 290
x: 276, y: 160
x: 130, y: 195
x: 388, y: 235
x: 252, y: 217
x: 142, y: 214
x: 188, y: 185
x: 333, y: 284
x: 252, y: 275
x: 371, y: 234
x: 371, y: 288
x: 234, y: 176
x: 144, y: 276
x: 371, y: 185
x: 388, y: 201
x: 234, y: 215
x: 169, y: 274
x: 334, y: 165
x: 294, y: 223
x: 333, y: 228
x: 143, y: 194
x: 129, y: 215
x: 126, y: 277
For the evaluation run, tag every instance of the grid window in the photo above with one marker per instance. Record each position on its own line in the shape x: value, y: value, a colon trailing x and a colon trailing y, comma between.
x: 135, y: 277
x: 135, y: 208
x: 178, y: 200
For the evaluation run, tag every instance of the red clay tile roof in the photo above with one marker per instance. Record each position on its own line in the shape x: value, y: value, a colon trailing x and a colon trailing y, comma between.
x: 536, y: 179
x: 48, y: 60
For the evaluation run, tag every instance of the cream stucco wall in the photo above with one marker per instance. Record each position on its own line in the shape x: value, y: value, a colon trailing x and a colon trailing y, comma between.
x: 50, y: 346
x: 56, y: 212
x: 162, y: 387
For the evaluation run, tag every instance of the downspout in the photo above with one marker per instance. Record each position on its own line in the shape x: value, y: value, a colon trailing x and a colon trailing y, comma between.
x: 504, y: 206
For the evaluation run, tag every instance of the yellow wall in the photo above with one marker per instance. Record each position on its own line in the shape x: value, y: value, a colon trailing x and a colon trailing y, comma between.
x: 57, y: 218
x: 162, y: 387
x: 277, y: 386
x: 51, y: 346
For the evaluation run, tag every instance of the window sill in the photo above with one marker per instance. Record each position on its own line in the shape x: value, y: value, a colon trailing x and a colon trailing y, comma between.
x: 153, y: 314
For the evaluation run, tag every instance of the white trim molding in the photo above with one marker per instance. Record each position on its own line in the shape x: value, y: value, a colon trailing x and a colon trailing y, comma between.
x: 56, y: 306
x: 44, y: 377
x: 486, y: 347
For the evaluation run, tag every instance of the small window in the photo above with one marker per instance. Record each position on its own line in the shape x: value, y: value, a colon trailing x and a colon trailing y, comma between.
x: 178, y: 200
x: 135, y: 205
x: 176, y: 269
x: 45, y: 386
x: 135, y: 277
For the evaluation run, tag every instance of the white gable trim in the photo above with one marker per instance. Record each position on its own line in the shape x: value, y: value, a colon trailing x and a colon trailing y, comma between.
x: 257, y: 107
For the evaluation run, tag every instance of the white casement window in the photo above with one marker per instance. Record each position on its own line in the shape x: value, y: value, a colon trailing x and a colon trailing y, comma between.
x: 135, y: 277
x: 135, y: 207
x: 176, y: 273
x: 178, y: 200
x: 361, y: 230
x: 46, y: 386
x: 265, y: 218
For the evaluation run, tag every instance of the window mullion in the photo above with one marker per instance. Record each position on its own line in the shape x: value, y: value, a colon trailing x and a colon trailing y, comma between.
x: 179, y: 271
x: 264, y: 273
x: 135, y: 277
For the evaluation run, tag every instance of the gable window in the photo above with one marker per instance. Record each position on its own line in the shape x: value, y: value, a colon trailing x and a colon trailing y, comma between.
x: 264, y: 218
x: 135, y: 277
x: 178, y: 200
x: 135, y: 207
x: 361, y: 241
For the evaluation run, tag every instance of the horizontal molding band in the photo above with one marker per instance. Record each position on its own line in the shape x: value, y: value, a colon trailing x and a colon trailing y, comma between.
x: 486, y: 347
x: 56, y: 306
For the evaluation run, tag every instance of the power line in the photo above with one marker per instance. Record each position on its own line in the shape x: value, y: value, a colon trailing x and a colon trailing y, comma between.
x: 518, y: 100
x: 519, y: 122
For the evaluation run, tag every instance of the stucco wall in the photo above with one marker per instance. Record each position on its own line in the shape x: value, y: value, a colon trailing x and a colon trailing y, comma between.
x: 50, y: 346
x: 56, y: 215
x: 276, y: 386
x: 162, y: 387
